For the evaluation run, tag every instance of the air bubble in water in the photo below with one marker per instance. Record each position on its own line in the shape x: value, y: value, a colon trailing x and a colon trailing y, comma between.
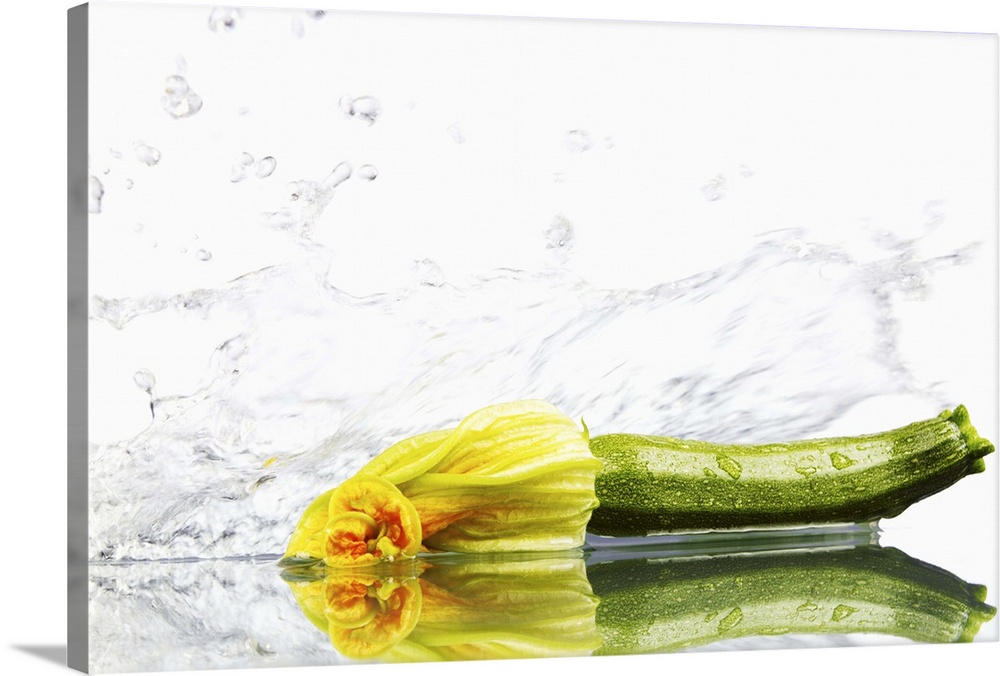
x: 366, y: 108
x: 340, y: 173
x: 95, y: 193
x: 298, y: 29
x: 224, y: 19
x: 266, y: 167
x: 456, y: 133
x: 715, y: 189
x: 240, y: 167
x: 203, y: 255
x: 178, y: 98
x: 579, y: 140
x: 367, y: 172
x: 428, y: 272
x: 148, y: 155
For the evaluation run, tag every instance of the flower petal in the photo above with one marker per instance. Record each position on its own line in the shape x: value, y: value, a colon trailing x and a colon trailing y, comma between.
x: 511, y: 477
x: 370, y: 521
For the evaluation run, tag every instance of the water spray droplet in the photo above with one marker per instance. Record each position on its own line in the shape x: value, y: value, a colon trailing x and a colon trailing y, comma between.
x: 224, y: 19
x: 129, y: 184
x: 138, y: 227
x: 204, y: 255
x: 365, y: 108
x: 934, y: 214
x: 266, y: 167
x: 715, y: 189
x: 95, y: 194
x: 181, y: 63
x: 559, y: 238
x: 240, y: 167
x: 298, y: 29
x: 316, y: 14
x: 745, y: 171
x: 340, y: 173
x: 579, y: 140
x: 148, y: 155
x: 456, y: 133
x: 145, y: 380
x: 428, y: 273
x: 115, y: 154
x: 178, y: 98
x: 367, y: 172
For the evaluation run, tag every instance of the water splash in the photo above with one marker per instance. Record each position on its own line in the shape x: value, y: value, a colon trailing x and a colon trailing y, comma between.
x: 241, y: 165
x: 95, y: 193
x: 559, y: 238
x: 715, y: 189
x: 579, y: 141
x: 179, y: 100
x: 310, y: 198
x: 366, y: 108
x: 148, y: 155
x: 322, y: 380
x: 266, y: 167
x: 367, y: 172
x: 224, y: 19
x: 428, y: 272
x: 456, y: 133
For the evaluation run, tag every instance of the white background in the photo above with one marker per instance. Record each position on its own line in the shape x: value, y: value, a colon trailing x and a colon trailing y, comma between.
x: 34, y: 297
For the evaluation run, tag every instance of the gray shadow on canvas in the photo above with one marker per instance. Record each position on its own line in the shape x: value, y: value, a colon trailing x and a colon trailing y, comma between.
x: 49, y: 653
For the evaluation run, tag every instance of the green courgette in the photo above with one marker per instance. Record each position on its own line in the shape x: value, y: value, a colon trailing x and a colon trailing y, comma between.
x: 652, y: 485
x: 670, y: 604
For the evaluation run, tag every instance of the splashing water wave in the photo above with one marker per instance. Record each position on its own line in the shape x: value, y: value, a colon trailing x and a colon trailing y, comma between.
x: 774, y: 345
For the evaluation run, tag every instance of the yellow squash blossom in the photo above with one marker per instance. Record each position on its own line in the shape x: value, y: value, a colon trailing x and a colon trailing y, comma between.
x: 511, y: 477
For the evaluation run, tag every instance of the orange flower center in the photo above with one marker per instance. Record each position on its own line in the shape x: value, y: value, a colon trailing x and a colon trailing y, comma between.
x: 370, y: 521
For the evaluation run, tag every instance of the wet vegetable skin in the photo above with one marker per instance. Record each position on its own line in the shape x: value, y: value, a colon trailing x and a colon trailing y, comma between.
x: 661, y: 484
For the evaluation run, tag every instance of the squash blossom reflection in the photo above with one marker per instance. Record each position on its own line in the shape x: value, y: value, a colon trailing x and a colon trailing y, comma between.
x: 454, y: 610
x: 514, y: 477
x: 623, y: 602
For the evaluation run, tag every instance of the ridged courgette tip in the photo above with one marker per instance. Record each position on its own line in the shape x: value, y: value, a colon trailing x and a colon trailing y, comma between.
x: 978, y: 616
x: 977, y: 445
